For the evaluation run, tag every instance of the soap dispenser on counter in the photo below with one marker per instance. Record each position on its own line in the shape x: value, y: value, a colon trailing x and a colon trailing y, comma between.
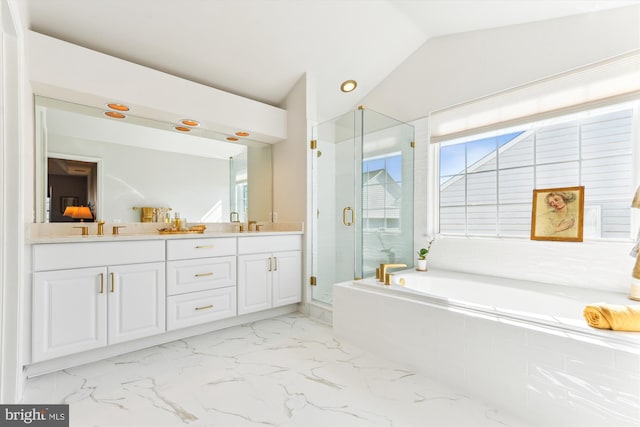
x: 176, y: 221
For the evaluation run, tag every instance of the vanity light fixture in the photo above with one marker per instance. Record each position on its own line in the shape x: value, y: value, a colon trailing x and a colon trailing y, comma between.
x: 348, y: 85
x: 243, y: 134
x: 190, y: 122
x: 232, y: 138
x: 114, y: 114
x: 182, y: 128
x: 118, y: 107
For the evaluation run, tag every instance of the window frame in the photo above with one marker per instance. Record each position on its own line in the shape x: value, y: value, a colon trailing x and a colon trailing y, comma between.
x: 433, y: 191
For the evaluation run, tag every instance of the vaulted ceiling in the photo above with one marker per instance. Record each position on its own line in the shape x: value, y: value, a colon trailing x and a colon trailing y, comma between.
x: 260, y: 48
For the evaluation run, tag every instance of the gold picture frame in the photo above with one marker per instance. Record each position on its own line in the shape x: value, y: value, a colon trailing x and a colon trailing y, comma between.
x: 558, y: 214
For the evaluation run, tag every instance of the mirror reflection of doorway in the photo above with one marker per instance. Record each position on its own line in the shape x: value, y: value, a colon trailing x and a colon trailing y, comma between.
x: 70, y: 182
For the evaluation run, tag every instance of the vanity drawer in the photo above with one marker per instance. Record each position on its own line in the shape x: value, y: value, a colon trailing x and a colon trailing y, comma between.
x: 200, y: 307
x: 260, y: 244
x: 200, y: 274
x: 58, y: 256
x: 200, y: 248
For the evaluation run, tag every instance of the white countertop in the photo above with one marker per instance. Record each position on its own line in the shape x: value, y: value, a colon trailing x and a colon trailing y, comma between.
x: 156, y: 236
x: 67, y: 233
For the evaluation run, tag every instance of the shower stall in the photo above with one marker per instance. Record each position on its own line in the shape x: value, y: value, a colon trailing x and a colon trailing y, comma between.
x: 363, y: 198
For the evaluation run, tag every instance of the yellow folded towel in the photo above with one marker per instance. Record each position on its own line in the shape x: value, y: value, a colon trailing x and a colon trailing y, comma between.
x: 616, y: 317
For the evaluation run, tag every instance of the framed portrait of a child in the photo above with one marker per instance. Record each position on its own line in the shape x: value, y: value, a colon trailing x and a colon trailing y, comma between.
x: 558, y: 214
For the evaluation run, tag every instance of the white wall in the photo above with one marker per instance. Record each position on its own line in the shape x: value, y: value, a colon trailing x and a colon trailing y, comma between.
x: 449, y: 70
x: 12, y: 202
x: 289, y: 159
x: 260, y: 191
x: 292, y: 166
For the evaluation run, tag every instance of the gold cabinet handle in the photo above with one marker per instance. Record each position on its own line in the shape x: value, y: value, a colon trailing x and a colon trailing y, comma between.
x: 102, y: 283
x: 275, y: 259
x: 344, y: 216
x: 270, y: 266
x: 204, y: 247
x: 203, y: 274
x: 205, y: 307
x: 113, y: 281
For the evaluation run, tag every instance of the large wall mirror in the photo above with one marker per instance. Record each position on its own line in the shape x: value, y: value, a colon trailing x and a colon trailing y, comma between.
x: 136, y: 169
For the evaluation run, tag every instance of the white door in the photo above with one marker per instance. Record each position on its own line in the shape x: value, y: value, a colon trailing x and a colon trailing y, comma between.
x: 136, y: 301
x: 69, y: 312
x: 287, y: 278
x: 254, y: 282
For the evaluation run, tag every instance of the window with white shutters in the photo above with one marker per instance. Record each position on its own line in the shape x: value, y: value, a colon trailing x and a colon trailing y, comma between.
x: 487, y: 181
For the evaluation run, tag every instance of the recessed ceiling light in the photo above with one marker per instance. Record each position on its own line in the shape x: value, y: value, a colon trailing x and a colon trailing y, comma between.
x: 114, y: 114
x: 349, y: 86
x: 118, y: 107
x: 242, y: 133
x: 190, y: 122
x: 182, y: 129
x: 232, y: 138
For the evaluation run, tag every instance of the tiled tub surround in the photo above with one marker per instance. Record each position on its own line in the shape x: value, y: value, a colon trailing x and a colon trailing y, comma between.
x: 285, y: 371
x: 548, y: 369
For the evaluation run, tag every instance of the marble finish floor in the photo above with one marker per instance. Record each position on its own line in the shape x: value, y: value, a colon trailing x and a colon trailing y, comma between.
x: 285, y: 371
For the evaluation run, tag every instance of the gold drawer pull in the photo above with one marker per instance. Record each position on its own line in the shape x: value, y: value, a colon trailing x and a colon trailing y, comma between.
x: 204, y: 247
x: 102, y: 283
x: 205, y: 307
x: 113, y: 282
x: 204, y: 274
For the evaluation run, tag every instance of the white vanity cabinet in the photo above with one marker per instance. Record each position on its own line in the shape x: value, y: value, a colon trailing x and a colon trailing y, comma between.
x: 201, y: 281
x: 78, y: 305
x: 95, y: 298
x: 269, y: 272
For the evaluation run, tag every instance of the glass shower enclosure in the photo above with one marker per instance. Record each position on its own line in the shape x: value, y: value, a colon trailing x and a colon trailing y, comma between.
x: 363, y: 198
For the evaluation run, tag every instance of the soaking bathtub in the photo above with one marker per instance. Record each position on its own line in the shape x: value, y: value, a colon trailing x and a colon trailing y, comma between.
x: 521, y: 346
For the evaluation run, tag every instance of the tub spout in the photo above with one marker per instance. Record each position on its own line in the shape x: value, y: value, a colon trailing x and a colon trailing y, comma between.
x: 383, y: 272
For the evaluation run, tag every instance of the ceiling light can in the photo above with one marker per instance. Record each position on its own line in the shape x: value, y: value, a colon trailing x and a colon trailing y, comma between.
x: 117, y: 107
x: 114, y: 114
x: 190, y: 122
x: 348, y: 85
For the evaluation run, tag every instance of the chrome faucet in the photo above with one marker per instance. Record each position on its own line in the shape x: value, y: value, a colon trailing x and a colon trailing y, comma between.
x: 382, y: 274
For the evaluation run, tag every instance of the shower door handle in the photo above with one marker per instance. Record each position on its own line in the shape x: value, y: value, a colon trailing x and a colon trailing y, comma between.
x: 344, y: 216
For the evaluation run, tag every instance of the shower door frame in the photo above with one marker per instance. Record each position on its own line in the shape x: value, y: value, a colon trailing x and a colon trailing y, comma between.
x: 357, y: 139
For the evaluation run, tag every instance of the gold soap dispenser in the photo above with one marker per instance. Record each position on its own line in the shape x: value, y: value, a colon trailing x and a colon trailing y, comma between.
x: 176, y: 221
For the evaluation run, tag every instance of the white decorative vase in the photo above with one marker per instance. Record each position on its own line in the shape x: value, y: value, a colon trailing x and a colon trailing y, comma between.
x: 422, y: 265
